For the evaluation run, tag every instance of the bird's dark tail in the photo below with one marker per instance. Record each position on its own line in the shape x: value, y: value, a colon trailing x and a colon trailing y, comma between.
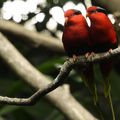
x: 88, y: 78
x: 106, y: 67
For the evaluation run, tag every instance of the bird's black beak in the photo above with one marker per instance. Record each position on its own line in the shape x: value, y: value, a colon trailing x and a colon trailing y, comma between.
x: 100, y: 9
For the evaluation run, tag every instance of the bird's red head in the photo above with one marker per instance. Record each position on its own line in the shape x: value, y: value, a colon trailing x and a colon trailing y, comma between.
x: 95, y: 9
x: 91, y: 9
x: 69, y: 13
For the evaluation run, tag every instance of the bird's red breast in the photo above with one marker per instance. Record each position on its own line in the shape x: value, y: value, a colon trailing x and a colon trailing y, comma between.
x: 76, y: 33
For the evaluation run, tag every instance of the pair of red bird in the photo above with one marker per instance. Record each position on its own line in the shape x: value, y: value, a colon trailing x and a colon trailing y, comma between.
x: 79, y: 38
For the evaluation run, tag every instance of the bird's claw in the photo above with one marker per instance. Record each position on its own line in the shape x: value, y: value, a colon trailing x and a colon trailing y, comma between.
x: 87, y: 55
x: 90, y: 55
x: 75, y: 58
x: 110, y: 50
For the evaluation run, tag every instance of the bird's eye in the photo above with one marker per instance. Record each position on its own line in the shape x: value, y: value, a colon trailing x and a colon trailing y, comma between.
x: 77, y: 13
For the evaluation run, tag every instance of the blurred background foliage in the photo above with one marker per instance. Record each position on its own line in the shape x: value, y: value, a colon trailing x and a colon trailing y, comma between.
x: 46, y: 16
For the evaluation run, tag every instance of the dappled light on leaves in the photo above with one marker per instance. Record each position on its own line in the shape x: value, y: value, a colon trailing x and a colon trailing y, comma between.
x: 68, y: 5
x: 51, y: 24
x: 40, y: 17
x: 58, y: 14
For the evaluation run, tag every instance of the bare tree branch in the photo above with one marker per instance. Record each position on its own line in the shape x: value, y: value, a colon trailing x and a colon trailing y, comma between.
x: 32, y: 37
x: 64, y: 72
x: 59, y: 98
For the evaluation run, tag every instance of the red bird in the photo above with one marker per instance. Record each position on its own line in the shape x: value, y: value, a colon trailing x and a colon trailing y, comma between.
x: 76, y: 40
x: 103, y: 38
x: 76, y: 33
x: 103, y: 35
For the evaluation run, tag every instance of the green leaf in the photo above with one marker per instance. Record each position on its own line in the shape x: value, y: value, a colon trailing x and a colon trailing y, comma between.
x: 8, y: 109
x: 50, y: 65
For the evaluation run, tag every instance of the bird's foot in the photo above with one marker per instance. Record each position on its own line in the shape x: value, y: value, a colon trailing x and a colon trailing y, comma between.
x: 75, y: 58
x: 90, y: 55
x: 87, y: 55
x: 110, y: 50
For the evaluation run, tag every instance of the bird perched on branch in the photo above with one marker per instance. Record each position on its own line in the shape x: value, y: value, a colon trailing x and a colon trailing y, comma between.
x: 75, y: 34
x: 103, y: 38
x: 102, y: 32
x: 76, y: 40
